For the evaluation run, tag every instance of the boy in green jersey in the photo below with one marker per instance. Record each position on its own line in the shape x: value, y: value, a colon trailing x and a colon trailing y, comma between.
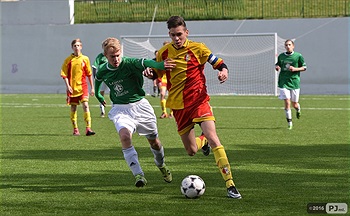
x: 131, y: 112
x: 100, y: 59
x: 290, y: 64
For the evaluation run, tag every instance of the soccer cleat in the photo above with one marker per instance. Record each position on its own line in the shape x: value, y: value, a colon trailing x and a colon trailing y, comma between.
x: 89, y: 132
x: 166, y: 173
x: 232, y: 192
x: 140, y: 181
x: 76, y: 132
x: 298, y: 114
x: 290, y: 127
x: 164, y: 115
x: 206, y: 146
x: 102, y: 114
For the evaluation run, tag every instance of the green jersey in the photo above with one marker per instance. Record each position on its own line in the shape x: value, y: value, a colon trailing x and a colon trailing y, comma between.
x: 126, y: 81
x: 100, y: 59
x: 288, y: 79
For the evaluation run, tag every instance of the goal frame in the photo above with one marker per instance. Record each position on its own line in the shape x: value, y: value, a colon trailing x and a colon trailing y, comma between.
x: 194, y: 36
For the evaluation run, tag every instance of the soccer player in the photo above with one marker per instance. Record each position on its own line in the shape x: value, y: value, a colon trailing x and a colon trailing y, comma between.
x: 74, y: 71
x: 188, y: 97
x: 100, y: 59
x: 290, y: 64
x: 131, y: 112
x: 162, y: 85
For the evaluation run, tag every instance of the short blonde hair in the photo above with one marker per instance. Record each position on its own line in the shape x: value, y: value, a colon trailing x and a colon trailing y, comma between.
x: 111, y: 43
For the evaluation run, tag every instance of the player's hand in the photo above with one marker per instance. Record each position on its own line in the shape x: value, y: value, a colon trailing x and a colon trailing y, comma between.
x: 223, y: 75
x: 277, y: 68
x: 148, y: 72
x: 291, y: 68
x: 69, y: 89
x: 92, y: 93
x: 169, y: 64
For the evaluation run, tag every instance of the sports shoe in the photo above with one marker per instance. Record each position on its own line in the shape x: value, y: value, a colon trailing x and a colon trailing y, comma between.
x: 232, y: 192
x: 166, y: 173
x: 206, y: 146
x: 164, y: 115
x: 76, y: 132
x: 89, y: 132
x: 140, y: 181
x: 102, y: 115
x: 298, y: 114
x: 290, y: 127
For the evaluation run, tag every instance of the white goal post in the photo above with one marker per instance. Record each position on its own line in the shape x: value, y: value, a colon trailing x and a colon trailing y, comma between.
x: 249, y: 57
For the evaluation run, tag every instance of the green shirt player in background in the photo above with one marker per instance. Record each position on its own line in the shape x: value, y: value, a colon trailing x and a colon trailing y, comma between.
x: 131, y: 112
x: 290, y: 64
x: 99, y: 60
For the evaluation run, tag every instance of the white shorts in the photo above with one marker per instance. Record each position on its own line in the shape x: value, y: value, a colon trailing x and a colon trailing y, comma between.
x: 292, y: 94
x: 103, y: 87
x: 136, y: 117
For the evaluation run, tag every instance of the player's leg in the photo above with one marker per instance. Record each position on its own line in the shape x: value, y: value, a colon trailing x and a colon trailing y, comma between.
x: 285, y: 95
x: 74, y: 118
x: 125, y: 126
x: 147, y: 125
x: 87, y: 118
x: 163, y: 101
x: 295, y: 102
x: 221, y: 159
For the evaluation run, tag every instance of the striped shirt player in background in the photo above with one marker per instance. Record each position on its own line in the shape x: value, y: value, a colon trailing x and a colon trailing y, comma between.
x: 290, y: 64
x: 188, y: 97
x: 74, y: 71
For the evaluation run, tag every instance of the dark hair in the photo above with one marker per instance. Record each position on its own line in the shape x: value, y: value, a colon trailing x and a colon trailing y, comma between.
x: 289, y: 40
x: 75, y: 41
x: 176, y: 21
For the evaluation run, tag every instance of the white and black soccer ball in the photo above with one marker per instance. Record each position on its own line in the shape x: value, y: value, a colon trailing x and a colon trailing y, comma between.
x: 192, y: 186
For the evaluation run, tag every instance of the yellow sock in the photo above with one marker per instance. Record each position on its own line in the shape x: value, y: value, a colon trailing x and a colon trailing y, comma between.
x: 74, y: 119
x: 162, y: 105
x: 223, y: 164
x: 87, y: 119
x: 200, y: 141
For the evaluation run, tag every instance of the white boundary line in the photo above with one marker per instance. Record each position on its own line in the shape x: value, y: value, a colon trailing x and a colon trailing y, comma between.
x: 29, y: 105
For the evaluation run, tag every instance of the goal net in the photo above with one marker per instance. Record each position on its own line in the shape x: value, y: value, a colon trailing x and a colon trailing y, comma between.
x: 249, y: 57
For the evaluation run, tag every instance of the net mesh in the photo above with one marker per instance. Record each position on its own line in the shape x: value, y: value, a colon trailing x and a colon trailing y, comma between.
x: 249, y: 57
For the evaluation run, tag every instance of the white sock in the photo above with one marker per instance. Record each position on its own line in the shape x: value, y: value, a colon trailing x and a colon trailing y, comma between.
x: 102, y: 108
x: 131, y: 158
x: 158, y: 156
x: 288, y: 114
x: 298, y: 109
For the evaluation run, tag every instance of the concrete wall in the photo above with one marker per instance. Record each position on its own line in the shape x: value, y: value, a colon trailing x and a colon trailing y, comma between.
x: 32, y: 54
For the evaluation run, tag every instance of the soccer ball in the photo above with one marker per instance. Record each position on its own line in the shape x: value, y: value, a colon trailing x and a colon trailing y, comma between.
x: 192, y: 186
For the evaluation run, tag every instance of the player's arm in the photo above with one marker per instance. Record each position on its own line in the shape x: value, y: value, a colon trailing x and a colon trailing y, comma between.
x: 68, y: 87
x: 223, y: 72
x: 167, y: 64
x: 98, y: 95
x: 92, y: 93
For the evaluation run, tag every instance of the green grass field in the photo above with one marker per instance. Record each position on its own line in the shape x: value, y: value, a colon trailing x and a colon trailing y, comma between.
x: 47, y: 171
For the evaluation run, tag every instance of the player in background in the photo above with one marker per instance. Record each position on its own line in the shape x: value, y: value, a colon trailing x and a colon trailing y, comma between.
x: 188, y: 97
x: 162, y: 86
x: 131, y: 112
x: 100, y: 59
x: 74, y: 71
x: 156, y: 91
x: 290, y: 64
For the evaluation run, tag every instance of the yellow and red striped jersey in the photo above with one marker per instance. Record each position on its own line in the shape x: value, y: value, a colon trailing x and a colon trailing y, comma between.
x: 76, y: 69
x: 186, y: 83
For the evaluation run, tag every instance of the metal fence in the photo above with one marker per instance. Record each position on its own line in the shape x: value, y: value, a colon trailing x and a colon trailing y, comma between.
x: 96, y: 11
